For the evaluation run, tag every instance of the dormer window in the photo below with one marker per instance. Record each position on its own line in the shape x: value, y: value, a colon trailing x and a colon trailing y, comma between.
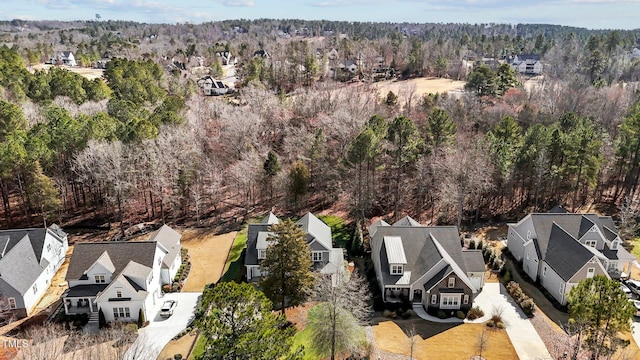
x: 397, y: 269
x: 591, y: 243
x: 262, y: 254
x: 615, y: 244
x: 316, y: 256
x: 452, y: 282
x: 100, y: 279
x: 118, y: 293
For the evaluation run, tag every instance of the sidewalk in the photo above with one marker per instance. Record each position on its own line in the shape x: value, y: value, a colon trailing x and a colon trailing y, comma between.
x: 522, y: 334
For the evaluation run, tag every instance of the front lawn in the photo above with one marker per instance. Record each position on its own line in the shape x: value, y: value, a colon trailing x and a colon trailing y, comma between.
x: 233, y: 267
x: 198, y: 349
x: 340, y: 231
x: 303, y: 338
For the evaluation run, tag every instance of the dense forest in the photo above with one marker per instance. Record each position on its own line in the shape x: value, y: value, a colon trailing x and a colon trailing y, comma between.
x: 142, y: 144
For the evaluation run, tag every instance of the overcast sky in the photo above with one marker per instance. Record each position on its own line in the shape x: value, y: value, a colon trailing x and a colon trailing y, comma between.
x: 592, y: 14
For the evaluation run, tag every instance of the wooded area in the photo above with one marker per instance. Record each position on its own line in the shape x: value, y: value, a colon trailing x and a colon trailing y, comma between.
x: 144, y: 145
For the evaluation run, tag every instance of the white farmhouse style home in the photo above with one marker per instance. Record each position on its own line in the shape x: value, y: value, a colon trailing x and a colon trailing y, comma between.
x: 121, y: 278
x: 29, y: 258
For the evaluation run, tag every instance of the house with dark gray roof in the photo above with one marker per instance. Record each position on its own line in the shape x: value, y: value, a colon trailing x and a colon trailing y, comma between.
x: 29, y: 258
x: 326, y: 259
x: 425, y: 265
x: 559, y: 249
x: 121, y: 278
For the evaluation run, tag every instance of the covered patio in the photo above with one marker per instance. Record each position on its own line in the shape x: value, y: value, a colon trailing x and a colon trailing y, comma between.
x: 81, y: 299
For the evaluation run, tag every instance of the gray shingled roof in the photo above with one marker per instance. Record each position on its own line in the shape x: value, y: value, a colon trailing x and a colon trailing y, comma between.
x: 84, y: 290
x: 36, y: 237
x: 473, y: 260
x: 166, y: 236
x: 373, y: 227
x: 317, y: 229
x: 560, y: 244
x: 20, y: 267
x: 406, y: 221
x: 120, y: 253
x: 251, y: 256
x: 437, y: 277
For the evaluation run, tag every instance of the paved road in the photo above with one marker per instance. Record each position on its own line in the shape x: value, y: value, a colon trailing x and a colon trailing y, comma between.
x: 153, y: 338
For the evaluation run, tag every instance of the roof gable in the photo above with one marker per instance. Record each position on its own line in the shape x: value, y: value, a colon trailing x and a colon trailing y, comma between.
x: 105, y: 261
x: 317, y: 229
x: 406, y: 221
x: 20, y: 267
x: 270, y: 219
x: 166, y: 236
x: 561, y: 244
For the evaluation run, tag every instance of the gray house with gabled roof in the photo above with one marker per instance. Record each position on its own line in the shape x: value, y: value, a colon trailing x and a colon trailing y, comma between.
x: 29, y: 258
x: 559, y: 249
x: 326, y: 259
x: 121, y: 278
x: 425, y: 264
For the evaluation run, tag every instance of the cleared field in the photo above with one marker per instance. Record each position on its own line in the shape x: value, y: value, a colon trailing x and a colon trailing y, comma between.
x: 208, y: 255
x: 419, y: 86
x: 89, y: 73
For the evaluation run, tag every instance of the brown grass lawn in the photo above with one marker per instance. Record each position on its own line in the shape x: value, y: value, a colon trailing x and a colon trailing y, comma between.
x: 58, y: 285
x: 208, y: 254
x: 459, y: 342
x: 420, y: 86
x: 180, y: 346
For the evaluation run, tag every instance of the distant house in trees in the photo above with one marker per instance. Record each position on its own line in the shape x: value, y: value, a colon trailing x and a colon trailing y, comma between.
x: 559, y: 249
x: 261, y: 53
x: 326, y: 259
x: 211, y: 86
x: 528, y: 64
x: 63, y: 58
x: 425, y: 265
x: 29, y: 258
x: 121, y: 277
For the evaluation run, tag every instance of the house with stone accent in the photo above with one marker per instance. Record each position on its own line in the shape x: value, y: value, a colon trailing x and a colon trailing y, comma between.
x: 425, y: 265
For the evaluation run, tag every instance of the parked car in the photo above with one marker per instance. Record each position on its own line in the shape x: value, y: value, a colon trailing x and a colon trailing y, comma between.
x: 626, y: 290
x: 636, y: 303
x: 634, y: 286
x: 167, y: 308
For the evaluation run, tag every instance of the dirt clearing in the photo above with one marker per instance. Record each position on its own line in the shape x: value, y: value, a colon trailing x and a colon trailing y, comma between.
x: 208, y: 254
x: 419, y: 86
x: 89, y: 73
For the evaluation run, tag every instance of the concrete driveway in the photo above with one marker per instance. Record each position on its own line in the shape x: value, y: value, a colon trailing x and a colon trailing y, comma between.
x: 154, y: 337
x: 523, y: 335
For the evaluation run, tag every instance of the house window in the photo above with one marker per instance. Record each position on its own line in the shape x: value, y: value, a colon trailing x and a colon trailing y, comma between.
x: 397, y: 269
x: 434, y: 299
x: 452, y: 282
x: 527, y: 256
x: 12, y: 303
x: 100, y: 279
x: 118, y: 293
x: 35, y: 288
x: 561, y: 291
x: 450, y: 300
x: 316, y: 256
x: 591, y: 272
x: 48, y: 247
x: 544, y: 271
x: 466, y: 299
x: 614, y: 245
x: 591, y: 243
x: 262, y: 254
x: 121, y: 312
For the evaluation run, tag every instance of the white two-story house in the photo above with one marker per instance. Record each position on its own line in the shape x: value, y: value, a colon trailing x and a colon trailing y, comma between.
x: 29, y: 258
x: 121, y: 278
x: 559, y: 249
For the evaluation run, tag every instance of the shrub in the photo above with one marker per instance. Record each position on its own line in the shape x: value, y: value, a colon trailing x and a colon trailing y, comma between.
x: 525, y: 302
x: 389, y: 314
x: 490, y: 323
x: 528, y: 307
x: 475, y: 313
x: 102, y: 322
x: 177, y: 357
x: 500, y: 325
x: 166, y: 288
x: 442, y: 314
x: 472, y: 245
x: 131, y: 328
x: 460, y: 314
x: 141, y: 319
x: 480, y: 245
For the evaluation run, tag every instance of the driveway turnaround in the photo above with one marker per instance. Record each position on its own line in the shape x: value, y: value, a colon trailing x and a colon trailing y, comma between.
x: 523, y: 335
x: 154, y: 337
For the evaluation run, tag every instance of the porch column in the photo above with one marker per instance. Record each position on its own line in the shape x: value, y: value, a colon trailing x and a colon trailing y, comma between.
x: 66, y: 309
x: 90, y: 305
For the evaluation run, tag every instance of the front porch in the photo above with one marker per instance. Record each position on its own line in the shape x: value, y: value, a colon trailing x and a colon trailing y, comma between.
x: 396, y: 295
x: 81, y: 299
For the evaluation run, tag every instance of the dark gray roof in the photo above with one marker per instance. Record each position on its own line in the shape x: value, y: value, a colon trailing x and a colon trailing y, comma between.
x: 473, y: 260
x: 561, y: 244
x: 420, y: 251
x: 84, y: 290
x: 35, y: 236
x: 251, y: 256
x: 558, y: 210
x: 120, y: 253
x: 437, y: 277
x: 406, y: 221
x: 133, y: 284
x: 619, y: 254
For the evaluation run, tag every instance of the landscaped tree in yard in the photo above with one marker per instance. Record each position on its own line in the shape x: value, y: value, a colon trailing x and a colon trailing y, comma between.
x: 240, y: 324
x: 335, y: 322
x: 604, y: 311
x: 287, y: 264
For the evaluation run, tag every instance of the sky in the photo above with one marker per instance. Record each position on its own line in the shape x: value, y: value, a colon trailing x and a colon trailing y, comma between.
x: 591, y: 14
